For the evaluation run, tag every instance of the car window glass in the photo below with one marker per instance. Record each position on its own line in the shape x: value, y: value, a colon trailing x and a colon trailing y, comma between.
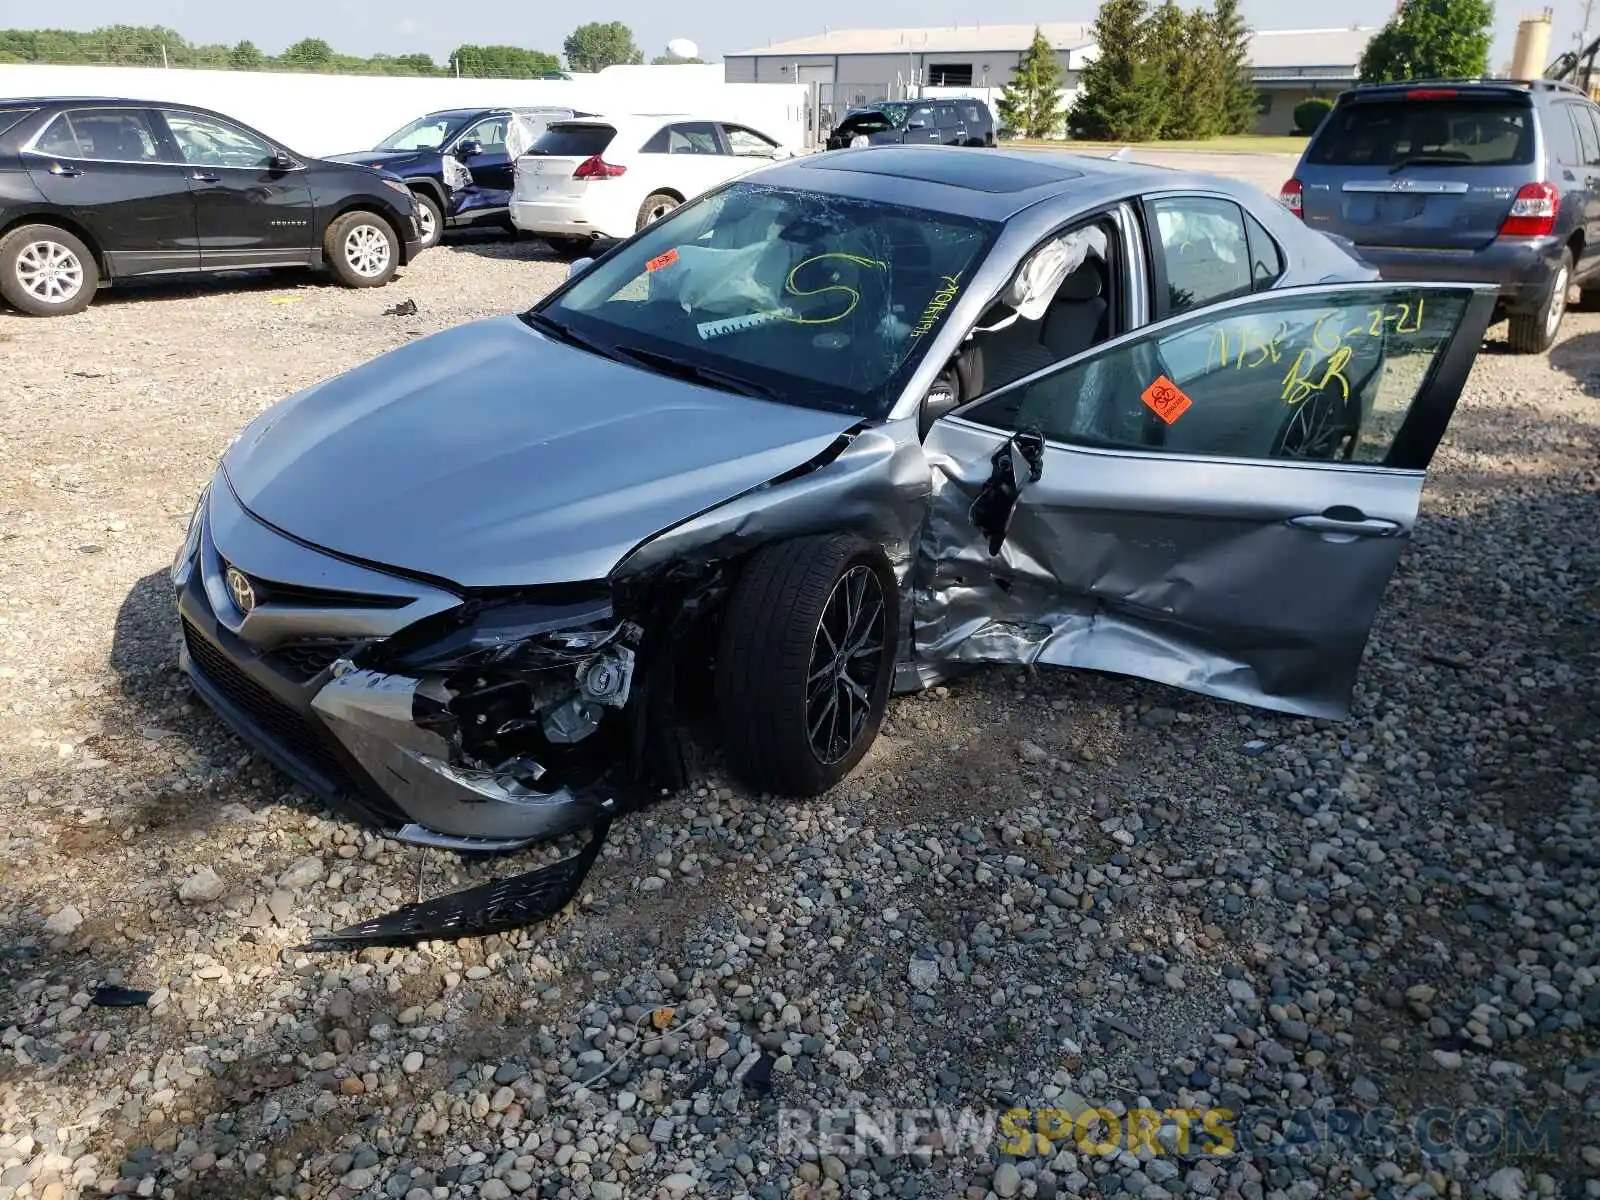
x: 205, y: 142
x: 947, y: 116
x: 1266, y: 260
x: 1204, y: 250
x: 1562, y: 134
x: 1589, y: 120
x: 103, y: 135
x: 1288, y: 377
x: 971, y: 115
x: 697, y: 138
x: 1588, y: 142
x: 748, y: 143
x: 922, y: 116
x: 1464, y: 131
x: 490, y: 134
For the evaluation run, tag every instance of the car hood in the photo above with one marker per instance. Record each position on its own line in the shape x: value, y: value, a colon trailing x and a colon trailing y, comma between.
x: 492, y: 456
x: 389, y: 160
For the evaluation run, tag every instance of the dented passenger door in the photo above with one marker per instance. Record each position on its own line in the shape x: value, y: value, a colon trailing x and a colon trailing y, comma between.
x: 1215, y: 502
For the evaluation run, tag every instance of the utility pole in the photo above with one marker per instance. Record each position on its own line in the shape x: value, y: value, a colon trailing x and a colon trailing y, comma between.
x: 164, y: 53
x: 1583, y: 30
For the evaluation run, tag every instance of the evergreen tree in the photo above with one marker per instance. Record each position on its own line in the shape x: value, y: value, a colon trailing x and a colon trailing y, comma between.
x: 1164, y: 48
x: 1431, y: 39
x: 1123, y: 92
x: 1197, y: 84
x: 1232, y: 64
x: 1031, y: 102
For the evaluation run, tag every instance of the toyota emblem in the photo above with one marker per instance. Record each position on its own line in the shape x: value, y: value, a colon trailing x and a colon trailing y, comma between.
x: 244, y: 596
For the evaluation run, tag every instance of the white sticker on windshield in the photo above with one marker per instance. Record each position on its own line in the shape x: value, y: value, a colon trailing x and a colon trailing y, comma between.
x: 713, y: 329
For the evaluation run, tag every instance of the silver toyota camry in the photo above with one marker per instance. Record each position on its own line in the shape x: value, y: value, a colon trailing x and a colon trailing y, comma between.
x: 846, y: 427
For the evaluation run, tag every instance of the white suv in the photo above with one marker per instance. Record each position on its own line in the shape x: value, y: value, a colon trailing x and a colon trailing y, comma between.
x: 606, y: 177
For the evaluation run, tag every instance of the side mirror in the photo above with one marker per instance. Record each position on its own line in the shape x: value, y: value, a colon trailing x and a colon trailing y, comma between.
x: 469, y: 148
x: 281, y: 162
x: 578, y: 267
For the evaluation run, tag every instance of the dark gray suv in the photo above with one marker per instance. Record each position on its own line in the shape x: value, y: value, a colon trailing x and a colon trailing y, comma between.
x: 1493, y: 181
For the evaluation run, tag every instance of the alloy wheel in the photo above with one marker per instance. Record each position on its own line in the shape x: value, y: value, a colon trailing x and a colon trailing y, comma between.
x: 1558, y: 303
x: 659, y: 211
x: 49, y: 272
x: 425, y: 223
x: 367, y: 251
x: 846, y: 661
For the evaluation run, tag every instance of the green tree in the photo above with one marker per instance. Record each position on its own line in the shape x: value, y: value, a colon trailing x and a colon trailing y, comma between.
x: 1031, y: 102
x: 1232, y: 66
x: 1431, y: 39
x: 1196, y: 83
x: 1123, y: 92
x: 672, y: 60
x: 245, y: 56
x: 1164, y: 48
x: 308, y: 54
x: 503, y: 62
x: 601, y: 44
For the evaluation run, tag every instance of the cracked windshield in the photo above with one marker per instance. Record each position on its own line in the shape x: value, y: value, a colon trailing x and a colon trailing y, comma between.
x: 826, y: 299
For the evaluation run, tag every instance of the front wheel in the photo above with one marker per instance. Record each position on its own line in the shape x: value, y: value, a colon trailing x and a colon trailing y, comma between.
x: 430, y: 220
x: 46, y: 271
x: 361, y: 250
x: 807, y: 655
x: 1535, y: 332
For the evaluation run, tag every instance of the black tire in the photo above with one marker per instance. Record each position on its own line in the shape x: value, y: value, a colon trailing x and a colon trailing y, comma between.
x: 772, y: 713
x: 430, y: 219
x: 1535, y: 332
x: 570, y: 249
x: 655, y: 206
x: 46, y: 271
x: 351, y: 250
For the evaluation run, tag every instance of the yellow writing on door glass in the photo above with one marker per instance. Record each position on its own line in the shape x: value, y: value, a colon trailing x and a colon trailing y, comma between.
x: 1304, y: 379
x: 1245, y: 349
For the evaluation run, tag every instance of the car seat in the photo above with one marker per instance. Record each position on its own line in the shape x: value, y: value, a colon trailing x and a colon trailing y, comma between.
x: 1074, y: 321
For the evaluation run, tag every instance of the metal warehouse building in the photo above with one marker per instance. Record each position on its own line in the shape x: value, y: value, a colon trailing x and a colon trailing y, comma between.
x: 857, y: 66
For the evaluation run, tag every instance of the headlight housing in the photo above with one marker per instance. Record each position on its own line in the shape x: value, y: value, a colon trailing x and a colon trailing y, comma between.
x: 191, y: 539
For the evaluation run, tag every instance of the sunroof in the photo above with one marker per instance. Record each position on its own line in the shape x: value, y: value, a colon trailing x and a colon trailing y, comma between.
x: 980, y: 171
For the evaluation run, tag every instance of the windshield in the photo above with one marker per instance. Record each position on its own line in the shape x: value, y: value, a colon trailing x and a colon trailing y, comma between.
x: 1446, y: 132
x: 425, y: 133
x: 817, y: 300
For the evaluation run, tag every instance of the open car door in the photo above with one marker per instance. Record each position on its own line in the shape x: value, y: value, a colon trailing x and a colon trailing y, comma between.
x: 1215, y: 502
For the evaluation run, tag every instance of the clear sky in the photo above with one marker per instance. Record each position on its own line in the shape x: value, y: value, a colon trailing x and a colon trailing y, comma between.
x: 395, y: 26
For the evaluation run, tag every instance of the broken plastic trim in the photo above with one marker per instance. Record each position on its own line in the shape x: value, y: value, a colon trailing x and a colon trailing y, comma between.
x: 495, y: 907
x: 1020, y: 461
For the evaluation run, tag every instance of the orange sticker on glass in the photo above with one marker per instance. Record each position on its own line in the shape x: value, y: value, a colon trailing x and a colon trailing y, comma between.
x: 1166, y: 400
x: 662, y: 260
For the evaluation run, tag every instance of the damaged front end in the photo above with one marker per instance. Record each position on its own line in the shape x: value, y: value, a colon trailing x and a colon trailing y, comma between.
x: 489, y: 724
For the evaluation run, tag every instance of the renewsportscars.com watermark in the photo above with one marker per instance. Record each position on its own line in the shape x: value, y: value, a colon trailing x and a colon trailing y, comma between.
x: 853, y: 1134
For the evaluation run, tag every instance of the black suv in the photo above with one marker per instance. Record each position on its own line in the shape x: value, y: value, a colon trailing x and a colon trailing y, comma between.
x: 958, y: 122
x: 460, y: 162
x: 97, y: 191
x: 1489, y: 181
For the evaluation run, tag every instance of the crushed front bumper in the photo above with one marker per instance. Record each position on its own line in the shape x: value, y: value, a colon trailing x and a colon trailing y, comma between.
x: 277, y: 675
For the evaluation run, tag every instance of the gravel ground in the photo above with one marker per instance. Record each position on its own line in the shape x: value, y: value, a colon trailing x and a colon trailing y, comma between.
x: 1053, y: 891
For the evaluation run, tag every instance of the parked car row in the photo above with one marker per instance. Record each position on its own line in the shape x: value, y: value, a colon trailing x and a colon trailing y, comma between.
x: 99, y: 191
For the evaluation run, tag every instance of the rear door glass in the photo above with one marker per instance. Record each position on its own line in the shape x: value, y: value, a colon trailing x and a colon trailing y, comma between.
x: 1588, y: 142
x: 948, y: 117
x: 1386, y: 133
x: 575, y: 141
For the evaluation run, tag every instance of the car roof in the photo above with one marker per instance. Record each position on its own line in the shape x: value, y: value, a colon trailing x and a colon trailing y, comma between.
x: 989, y: 184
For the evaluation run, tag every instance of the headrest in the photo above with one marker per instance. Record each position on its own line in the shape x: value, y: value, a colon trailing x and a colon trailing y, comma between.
x: 1083, y: 284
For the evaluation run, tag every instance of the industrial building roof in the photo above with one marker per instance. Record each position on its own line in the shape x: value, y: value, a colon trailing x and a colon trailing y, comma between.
x: 1268, y: 47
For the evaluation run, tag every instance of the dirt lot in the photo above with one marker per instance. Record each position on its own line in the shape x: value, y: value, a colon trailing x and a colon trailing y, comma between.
x: 1049, y: 891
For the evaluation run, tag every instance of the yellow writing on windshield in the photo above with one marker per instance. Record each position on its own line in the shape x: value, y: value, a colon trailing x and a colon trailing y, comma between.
x: 854, y: 297
x: 949, y: 286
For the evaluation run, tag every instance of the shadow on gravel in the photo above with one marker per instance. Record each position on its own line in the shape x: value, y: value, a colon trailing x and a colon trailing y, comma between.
x: 1579, y: 357
x: 522, y: 247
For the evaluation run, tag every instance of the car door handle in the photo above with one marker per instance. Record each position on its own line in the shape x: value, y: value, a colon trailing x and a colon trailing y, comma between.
x: 1351, y: 522
x: 206, y: 177
x: 65, y: 170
